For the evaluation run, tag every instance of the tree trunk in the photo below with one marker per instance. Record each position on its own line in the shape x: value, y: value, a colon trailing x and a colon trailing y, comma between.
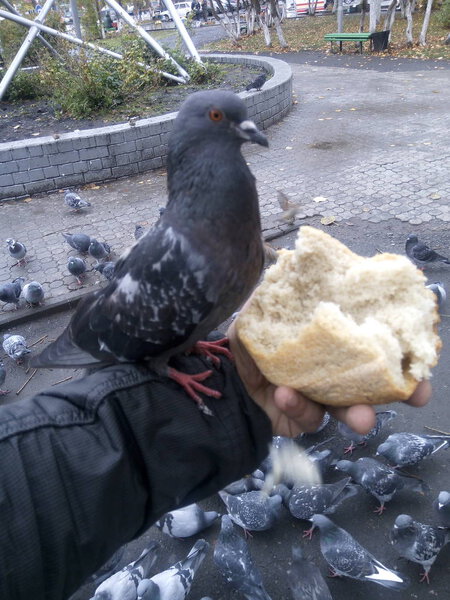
x: 340, y: 16
x: 277, y: 23
x: 251, y: 20
x: 426, y: 22
x: 231, y: 25
x: 390, y: 17
x: 312, y: 5
x: 374, y: 15
x: 409, y: 22
x: 362, y: 18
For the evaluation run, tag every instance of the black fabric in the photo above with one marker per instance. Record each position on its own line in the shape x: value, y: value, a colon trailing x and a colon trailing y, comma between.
x: 90, y: 465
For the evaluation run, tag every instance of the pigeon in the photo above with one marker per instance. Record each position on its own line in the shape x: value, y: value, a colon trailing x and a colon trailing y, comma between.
x: 348, y: 558
x: 106, y: 269
x: 308, y: 500
x: 108, y: 568
x: 78, y: 241
x: 2, y: 379
x: 187, y: 521
x: 421, y: 254
x: 74, y: 201
x: 182, y: 279
x: 123, y: 584
x: 403, y: 449
x: 442, y: 507
x: 174, y: 583
x: 253, y: 511
x: 418, y: 542
x: 246, y: 484
x: 139, y: 231
x: 258, y: 83
x: 379, y: 480
x: 382, y: 418
x: 10, y: 292
x: 305, y: 579
x: 233, y: 559
x: 33, y: 293
x: 77, y: 267
x: 15, y: 347
x: 439, y: 290
x: 99, y: 250
x: 290, y: 209
x: 17, y: 250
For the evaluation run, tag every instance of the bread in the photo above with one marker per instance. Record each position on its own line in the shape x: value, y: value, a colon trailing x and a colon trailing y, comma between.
x: 341, y: 328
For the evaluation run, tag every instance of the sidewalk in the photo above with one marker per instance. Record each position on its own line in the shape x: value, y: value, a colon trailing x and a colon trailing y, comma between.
x: 373, y: 146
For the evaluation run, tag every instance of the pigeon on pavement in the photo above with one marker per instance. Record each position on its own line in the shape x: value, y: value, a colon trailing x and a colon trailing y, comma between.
x: 2, y: 379
x: 17, y: 250
x: 403, y: 449
x: 177, y: 283
x: 442, y: 507
x: 382, y: 417
x: 99, y: 250
x: 348, y: 558
x: 258, y: 83
x: 75, y: 201
x: 174, y: 583
x: 290, y: 209
x: 379, y: 480
x: 33, y: 293
x: 233, y: 559
x: 15, y: 347
x: 418, y: 542
x: 187, y: 521
x: 139, y: 231
x: 253, y: 511
x: 420, y: 253
x: 78, y: 241
x: 305, y: 579
x: 106, y: 269
x: 439, y: 290
x: 123, y: 584
x: 10, y: 292
x: 246, y: 484
x: 77, y: 267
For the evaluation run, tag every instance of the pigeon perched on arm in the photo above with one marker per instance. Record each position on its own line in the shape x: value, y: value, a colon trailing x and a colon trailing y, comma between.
x: 348, y: 558
x: 442, y: 507
x: 418, y: 542
x: 78, y: 241
x: 2, y: 379
x: 258, y: 83
x: 75, y: 201
x: 421, y: 254
x: 106, y: 269
x: 382, y: 418
x: 99, y: 250
x: 187, y: 521
x: 17, y: 250
x: 139, y: 231
x: 253, y: 511
x: 305, y: 579
x: 76, y: 267
x: 439, y: 290
x: 33, y: 293
x: 403, y: 449
x: 190, y: 271
x: 15, y: 347
x: 10, y: 292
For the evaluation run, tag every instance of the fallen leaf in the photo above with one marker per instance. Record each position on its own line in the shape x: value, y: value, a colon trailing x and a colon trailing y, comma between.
x: 36, y: 134
x: 92, y: 186
x: 434, y: 196
x: 328, y: 220
x: 320, y: 199
x: 353, y: 109
x: 288, y: 147
x: 16, y: 126
x: 27, y: 199
x: 338, y: 110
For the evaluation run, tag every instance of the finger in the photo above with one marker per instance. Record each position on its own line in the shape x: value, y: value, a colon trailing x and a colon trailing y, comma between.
x: 421, y: 395
x: 307, y: 414
x: 361, y: 417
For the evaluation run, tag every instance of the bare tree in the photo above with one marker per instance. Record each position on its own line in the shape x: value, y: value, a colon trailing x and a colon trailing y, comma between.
x: 374, y: 15
x: 362, y: 18
x: 231, y: 25
x: 408, y: 8
x: 390, y: 17
x: 276, y: 17
x: 426, y: 22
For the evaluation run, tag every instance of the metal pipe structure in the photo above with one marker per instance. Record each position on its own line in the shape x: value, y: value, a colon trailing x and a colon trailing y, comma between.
x: 74, y: 40
x: 17, y: 60
x: 148, y: 38
x: 183, y: 31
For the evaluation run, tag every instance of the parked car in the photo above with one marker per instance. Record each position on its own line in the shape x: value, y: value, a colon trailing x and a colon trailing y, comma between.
x: 183, y: 9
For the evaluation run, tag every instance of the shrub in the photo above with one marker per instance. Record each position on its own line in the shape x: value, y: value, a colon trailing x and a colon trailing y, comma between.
x: 443, y: 15
x: 26, y: 85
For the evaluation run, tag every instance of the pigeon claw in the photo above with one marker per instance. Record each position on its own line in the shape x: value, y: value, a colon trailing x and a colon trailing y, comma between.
x: 191, y: 383
x: 424, y: 577
x: 308, y: 533
x: 4, y: 392
x: 210, y: 349
x: 349, y: 449
x: 380, y: 510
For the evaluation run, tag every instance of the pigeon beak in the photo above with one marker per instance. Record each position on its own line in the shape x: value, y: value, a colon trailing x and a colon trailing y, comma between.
x: 248, y: 131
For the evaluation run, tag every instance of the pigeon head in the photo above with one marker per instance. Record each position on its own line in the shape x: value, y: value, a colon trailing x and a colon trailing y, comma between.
x: 443, y: 499
x: 344, y: 465
x: 383, y: 448
x: 10, y: 242
x: 403, y: 523
x: 226, y: 525
x: 322, y: 522
x: 412, y: 237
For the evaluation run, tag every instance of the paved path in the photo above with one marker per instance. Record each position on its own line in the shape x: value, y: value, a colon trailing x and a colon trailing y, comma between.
x: 374, y: 144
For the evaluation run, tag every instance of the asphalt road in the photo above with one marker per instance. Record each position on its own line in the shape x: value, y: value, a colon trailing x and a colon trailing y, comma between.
x: 271, y: 549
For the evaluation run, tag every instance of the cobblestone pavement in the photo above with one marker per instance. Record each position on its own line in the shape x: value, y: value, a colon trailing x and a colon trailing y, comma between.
x: 358, y: 145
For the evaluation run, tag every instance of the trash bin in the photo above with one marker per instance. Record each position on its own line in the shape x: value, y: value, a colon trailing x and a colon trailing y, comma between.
x: 380, y: 40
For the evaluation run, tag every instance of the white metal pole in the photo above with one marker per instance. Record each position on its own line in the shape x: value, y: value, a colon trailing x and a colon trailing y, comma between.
x: 76, y: 18
x: 183, y: 31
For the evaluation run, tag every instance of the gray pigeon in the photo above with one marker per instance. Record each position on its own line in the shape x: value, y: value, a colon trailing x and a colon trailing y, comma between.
x: 2, y: 379
x: 174, y: 583
x: 233, y: 559
x: 418, y: 542
x: 99, y: 250
x: 421, y: 254
x: 187, y: 521
x: 17, y: 250
x: 75, y: 201
x: 290, y: 209
x: 382, y: 417
x: 442, y: 507
x: 139, y: 231
x: 379, y: 480
x: 77, y: 267
x: 439, y: 290
x: 10, y: 292
x: 402, y: 449
x: 33, y: 293
x: 348, y: 558
x: 15, y: 347
x: 123, y: 584
x: 305, y: 579
x: 183, y: 278
x: 246, y: 484
x: 106, y: 269
x: 78, y: 241
x: 253, y: 511
x: 258, y: 83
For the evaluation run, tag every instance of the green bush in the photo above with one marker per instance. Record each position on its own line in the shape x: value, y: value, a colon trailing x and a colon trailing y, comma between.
x: 26, y: 85
x: 443, y: 15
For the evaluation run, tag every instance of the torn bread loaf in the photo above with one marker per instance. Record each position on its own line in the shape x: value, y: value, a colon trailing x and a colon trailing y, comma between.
x: 341, y: 328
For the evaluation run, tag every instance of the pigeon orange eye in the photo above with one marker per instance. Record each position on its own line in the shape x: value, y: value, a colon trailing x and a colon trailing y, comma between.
x: 215, y: 115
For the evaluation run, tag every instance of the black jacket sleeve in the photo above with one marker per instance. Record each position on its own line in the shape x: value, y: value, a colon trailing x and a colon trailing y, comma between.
x: 92, y: 464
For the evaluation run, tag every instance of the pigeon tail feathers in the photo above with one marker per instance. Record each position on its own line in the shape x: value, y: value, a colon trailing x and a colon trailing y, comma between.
x: 64, y: 353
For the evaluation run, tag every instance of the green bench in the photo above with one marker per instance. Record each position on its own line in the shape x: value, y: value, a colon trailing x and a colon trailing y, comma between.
x: 347, y: 37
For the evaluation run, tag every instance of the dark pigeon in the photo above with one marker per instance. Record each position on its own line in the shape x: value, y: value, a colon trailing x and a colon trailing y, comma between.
x: 418, y: 542
x: 253, y: 511
x: 33, y: 293
x: 439, y: 290
x: 258, y: 83
x: 421, y: 254
x: 233, y: 559
x: 442, y: 507
x: 246, y: 484
x: 99, y: 250
x: 17, y: 250
x: 174, y: 583
x: 78, y: 241
x: 75, y: 201
x: 139, y: 231
x: 106, y: 269
x: 2, y: 379
x: 379, y: 480
x: 382, y: 417
x: 187, y: 521
x: 403, y: 449
x: 305, y: 579
x: 177, y: 283
x: 348, y: 558
x: 10, y: 292
x: 15, y: 347
x: 76, y: 267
